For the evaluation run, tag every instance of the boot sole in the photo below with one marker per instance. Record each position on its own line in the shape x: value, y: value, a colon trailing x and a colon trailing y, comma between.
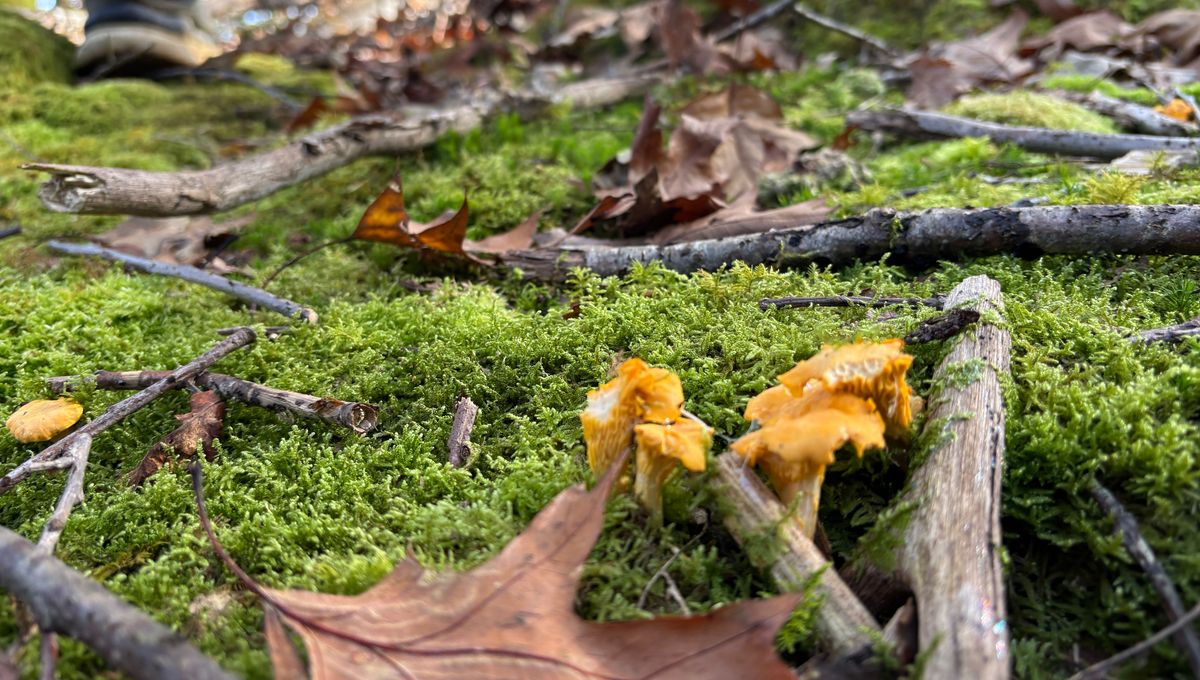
x: 115, y: 43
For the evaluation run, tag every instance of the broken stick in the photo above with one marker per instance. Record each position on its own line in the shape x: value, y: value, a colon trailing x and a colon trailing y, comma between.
x: 249, y: 294
x: 928, y: 125
x: 126, y: 407
x: 850, y: 301
x: 843, y: 623
x: 1131, y: 116
x: 950, y: 552
x: 357, y: 416
x: 459, y: 444
x: 1187, y: 329
x: 67, y: 602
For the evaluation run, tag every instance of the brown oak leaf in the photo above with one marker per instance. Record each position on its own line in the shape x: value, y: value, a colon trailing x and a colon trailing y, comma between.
x: 197, y: 430
x: 387, y: 221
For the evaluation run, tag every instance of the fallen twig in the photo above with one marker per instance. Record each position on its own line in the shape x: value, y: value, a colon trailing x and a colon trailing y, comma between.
x: 67, y: 602
x: 843, y: 623
x: 1132, y: 116
x: 950, y: 549
x: 942, y: 326
x: 919, y: 238
x: 459, y: 444
x: 1186, y: 638
x: 928, y: 125
x: 1100, y: 669
x: 850, y: 301
x: 1187, y: 329
x: 354, y: 415
x: 203, y: 73
x: 10, y: 231
x: 191, y: 274
x: 98, y: 190
x: 126, y: 407
x: 845, y: 29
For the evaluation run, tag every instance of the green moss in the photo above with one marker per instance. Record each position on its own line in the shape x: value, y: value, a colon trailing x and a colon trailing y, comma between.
x: 30, y: 54
x: 1021, y: 107
x: 1082, y: 83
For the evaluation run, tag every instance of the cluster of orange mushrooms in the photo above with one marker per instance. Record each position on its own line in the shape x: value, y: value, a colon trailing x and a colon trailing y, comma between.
x: 845, y: 394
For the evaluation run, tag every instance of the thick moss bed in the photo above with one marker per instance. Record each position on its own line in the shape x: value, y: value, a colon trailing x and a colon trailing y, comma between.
x: 304, y: 506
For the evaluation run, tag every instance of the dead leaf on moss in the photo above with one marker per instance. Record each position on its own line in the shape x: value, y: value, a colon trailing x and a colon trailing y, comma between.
x: 519, y: 237
x: 387, y: 221
x: 43, y: 419
x: 197, y: 430
x: 194, y: 240
x: 954, y: 68
x: 1092, y: 31
x: 679, y: 35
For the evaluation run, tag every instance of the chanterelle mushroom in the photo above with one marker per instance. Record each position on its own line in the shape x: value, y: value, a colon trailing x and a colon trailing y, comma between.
x: 872, y: 370
x: 612, y: 412
x: 660, y: 447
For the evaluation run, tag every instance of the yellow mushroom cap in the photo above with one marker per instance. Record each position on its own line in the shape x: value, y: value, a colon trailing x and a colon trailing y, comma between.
x: 660, y: 395
x: 44, y: 419
x: 685, y: 440
x: 611, y: 413
x: 872, y: 370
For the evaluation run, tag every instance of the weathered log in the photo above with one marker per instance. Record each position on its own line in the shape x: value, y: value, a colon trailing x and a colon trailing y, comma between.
x: 927, y: 125
x: 99, y: 190
x: 241, y: 291
x: 67, y: 602
x: 128, y: 406
x: 1187, y: 329
x: 919, y: 238
x: 950, y: 552
x: 1132, y: 116
x: 843, y: 623
x: 354, y: 415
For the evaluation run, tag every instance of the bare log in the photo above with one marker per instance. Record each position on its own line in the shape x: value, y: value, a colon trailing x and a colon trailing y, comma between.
x: 1132, y: 116
x: 98, y: 190
x: 1186, y: 639
x: 126, y: 407
x: 909, y: 238
x: 250, y: 294
x: 843, y: 623
x: 67, y: 602
x: 850, y: 301
x: 356, y: 416
x: 459, y: 443
x: 950, y: 552
x: 927, y: 125
x: 1187, y: 329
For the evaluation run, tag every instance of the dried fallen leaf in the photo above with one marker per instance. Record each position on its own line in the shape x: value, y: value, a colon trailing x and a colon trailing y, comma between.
x: 679, y: 34
x: 1092, y: 31
x: 387, y: 221
x: 191, y: 240
x: 43, y: 419
x: 519, y: 237
x: 954, y: 68
x: 513, y: 617
x: 197, y: 430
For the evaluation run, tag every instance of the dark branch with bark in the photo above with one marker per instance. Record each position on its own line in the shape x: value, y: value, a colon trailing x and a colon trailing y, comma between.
x: 850, y: 301
x: 1187, y: 329
x: 1132, y: 116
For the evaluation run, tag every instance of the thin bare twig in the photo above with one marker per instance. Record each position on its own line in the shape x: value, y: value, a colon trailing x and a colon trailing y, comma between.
x: 835, y: 25
x: 10, y: 231
x: 1187, y: 329
x: 459, y: 443
x: 72, y: 493
x: 851, y: 301
x: 1101, y: 668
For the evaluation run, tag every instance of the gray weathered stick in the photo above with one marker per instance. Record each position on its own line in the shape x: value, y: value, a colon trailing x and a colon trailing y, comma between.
x: 1186, y: 639
x: 241, y: 291
x: 1100, y: 669
x: 950, y: 552
x: 843, y: 623
x: 67, y: 602
x: 850, y: 301
x: 1187, y: 329
x: 126, y: 407
x: 459, y: 443
x: 1132, y: 116
x: 921, y: 237
x: 924, y: 124
x: 98, y: 190
x: 353, y: 415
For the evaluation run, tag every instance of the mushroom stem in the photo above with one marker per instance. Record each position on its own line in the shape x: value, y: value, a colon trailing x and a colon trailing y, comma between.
x: 652, y: 474
x: 802, y: 498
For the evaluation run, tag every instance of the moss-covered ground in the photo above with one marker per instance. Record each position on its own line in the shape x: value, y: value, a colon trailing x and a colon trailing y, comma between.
x: 303, y: 506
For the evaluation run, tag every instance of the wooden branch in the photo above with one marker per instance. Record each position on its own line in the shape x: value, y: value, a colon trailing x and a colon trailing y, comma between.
x: 72, y: 493
x: 98, y: 190
x: 845, y: 29
x: 1186, y: 639
x: 356, y: 416
x: 1187, y: 329
x: 927, y: 125
x: 942, y: 327
x: 850, y: 301
x: 67, y: 602
x: 126, y: 407
x: 459, y: 444
x: 1100, y: 669
x: 950, y: 552
x: 1132, y: 116
x: 250, y: 294
x: 920, y: 238
x: 843, y: 623
x: 10, y: 231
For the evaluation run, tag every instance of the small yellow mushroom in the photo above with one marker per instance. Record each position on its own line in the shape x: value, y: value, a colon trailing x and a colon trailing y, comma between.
x: 871, y: 370
x: 660, y: 447
x: 660, y: 395
x: 44, y: 419
x: 611, y: 413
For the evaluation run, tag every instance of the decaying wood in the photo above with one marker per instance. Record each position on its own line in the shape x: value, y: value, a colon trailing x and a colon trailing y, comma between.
x: 919, y: 238
x: 459, y: 444
x: 98, y: 190
x: 1132, y: 116
x: 1187, y: 329
x: 250, y: 294
x: 843, y: 623
x: 927, y: 125
x: 950, y: 552
x: 67, y: 602
x: 356, y: 416
x: 850, y: 301
x: 126, y: 407
x: 942, y: 327
x: 1131, y: 536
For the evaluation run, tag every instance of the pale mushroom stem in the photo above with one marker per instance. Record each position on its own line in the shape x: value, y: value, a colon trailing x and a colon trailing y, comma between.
x: 647, y: 486
x: 802, y: 497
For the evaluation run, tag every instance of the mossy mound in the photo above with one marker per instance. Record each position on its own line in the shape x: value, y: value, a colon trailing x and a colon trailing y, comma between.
x: 1032, y: 109
x: 30, y: 54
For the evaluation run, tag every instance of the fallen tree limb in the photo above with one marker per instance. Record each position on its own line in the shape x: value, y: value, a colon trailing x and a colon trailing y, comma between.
x: 950, y: 552
x: 356, y: 416
x: 850, y: 301
x: 1131, y: 116
x: 927, y: 125
x: 1131, y: 536
x: 1187, y: 329
x: 459, y: 444
x: 126, y: 407
x: 241, y: 291
x: 67, y: 602
x: 843, y: 623
x: 920, y: 238
x: 98, y: 190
